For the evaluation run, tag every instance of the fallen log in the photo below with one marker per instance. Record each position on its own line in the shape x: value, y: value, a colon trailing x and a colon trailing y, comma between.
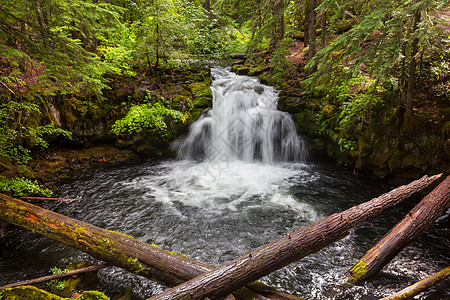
x: 54, y: 276
x: 419, y: 286
x: 254, y: 265
x: 45, y: 199
x: 413, y: 224
x: 117, y: 249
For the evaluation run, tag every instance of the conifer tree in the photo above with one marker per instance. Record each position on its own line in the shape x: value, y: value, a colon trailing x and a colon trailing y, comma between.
x: 389, y: 34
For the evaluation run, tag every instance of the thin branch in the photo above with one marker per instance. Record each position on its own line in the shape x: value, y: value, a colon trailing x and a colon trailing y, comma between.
x: 55, y: 276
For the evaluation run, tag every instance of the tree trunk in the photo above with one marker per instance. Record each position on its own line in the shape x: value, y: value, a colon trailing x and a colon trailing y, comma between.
x: 413, y: 224
x: 42, y: 22
x: 412, y: 69
x: 278, y: 27
x: 237, y: 273
x: 207, y: 6
x: 306, y: 30
x: 118, y: 249
x: 157, y: 44
x: 419, y: 286
x: 312, y: 33
x: 324, y: 25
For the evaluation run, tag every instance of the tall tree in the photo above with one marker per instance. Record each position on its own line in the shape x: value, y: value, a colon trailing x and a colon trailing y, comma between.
x: 387, y: 32
x: 310, y: 27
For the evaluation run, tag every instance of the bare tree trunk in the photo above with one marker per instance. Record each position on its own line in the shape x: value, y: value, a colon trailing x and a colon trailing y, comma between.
x: 419, y: 286
x: 278, y: 28
x: 413, y: 224
x: 306, y: 30
x: 42, y: 21
x: 312, y: 33
x: 324, y: 27
x: 118, y: 249
x: 207, y: 6
x: 263, y: 261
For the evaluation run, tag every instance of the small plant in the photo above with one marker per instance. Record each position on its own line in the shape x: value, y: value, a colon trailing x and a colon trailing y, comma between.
x: 148, y: 116
x: 22, y: 186
x: 59, y: 284
x: 280, y: 66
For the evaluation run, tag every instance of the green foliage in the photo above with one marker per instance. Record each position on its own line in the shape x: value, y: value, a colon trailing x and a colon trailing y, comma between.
x: 54, y: 41
x: 381, y: 41
x: 59, y: 284
x: 119, y: 58
x: 22, y: 186
x: 148, y: 116
x: 280, y: 67
x: 355, y: 100
x: 17, y: 137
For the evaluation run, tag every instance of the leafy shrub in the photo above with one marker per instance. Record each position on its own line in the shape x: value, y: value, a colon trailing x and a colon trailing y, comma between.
x: 21, y: 186
x: 59, y: 284
x: 148, y: 116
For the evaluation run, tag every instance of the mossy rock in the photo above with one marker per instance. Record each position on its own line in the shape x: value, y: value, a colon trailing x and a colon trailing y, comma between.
x: 28, y: 292
x: 240, y: 70
x: 291, y: 104
x: 202, y: 94
x: 92, y: 295
x: 200, y: 89
x: 124, y: 295
x: 23, y: 171
x: 258, y: 70
x: 5, y: 163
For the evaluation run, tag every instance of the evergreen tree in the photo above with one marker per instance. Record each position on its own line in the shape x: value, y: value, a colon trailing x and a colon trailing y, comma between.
x: 384, y: 43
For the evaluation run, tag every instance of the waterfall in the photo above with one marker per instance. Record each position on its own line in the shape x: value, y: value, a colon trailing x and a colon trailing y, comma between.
x: 243, y: 124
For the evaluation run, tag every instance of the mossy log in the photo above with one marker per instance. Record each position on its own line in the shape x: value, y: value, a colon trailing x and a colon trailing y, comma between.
x: 413, y: 224
x: 118, y: 249
x: 309, y: 239
x: 419, y: 286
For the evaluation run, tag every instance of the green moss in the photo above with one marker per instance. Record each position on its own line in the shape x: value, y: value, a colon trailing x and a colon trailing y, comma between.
x: 202, y: 94
x: 120, y: 233
x: 23, y: 171
x: 92, y: 295
x: 177, y: 254
x: 29, y: 293
x: 136, y: 265
x: 358, y: 271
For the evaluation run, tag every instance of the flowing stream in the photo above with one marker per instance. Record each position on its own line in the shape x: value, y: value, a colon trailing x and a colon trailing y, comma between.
x: 242, y: 179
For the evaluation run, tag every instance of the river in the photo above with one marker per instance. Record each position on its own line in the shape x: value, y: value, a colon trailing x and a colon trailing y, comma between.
x: 243, y: 178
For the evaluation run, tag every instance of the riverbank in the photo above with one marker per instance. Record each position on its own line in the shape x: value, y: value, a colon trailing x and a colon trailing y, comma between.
x: 371, y: 140
x: 366, y: 131
x: 42, y: 155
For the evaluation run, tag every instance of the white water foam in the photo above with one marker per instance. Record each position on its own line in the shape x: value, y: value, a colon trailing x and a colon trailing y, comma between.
x: 234, y: 186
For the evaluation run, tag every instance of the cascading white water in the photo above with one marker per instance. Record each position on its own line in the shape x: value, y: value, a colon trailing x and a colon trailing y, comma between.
x: 244, y: 124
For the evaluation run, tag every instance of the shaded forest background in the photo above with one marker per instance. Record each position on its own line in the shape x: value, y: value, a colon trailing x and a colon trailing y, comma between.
x: 369, y: 81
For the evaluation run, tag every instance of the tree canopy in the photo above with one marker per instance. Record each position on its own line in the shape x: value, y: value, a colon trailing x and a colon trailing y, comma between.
x: 51, y: 48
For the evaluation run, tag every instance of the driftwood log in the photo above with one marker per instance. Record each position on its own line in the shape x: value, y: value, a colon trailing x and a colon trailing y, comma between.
x: 410, y: 227
x: 419, y: 286
x: 254, y: 265
x: 117, y: 249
